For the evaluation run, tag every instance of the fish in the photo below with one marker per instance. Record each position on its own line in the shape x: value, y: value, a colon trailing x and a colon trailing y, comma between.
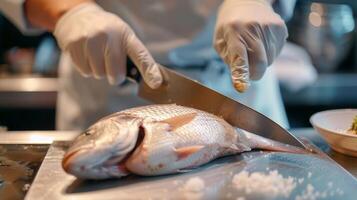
x: 158, y: 140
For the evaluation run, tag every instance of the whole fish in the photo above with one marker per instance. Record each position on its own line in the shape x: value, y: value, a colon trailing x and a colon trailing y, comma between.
x: 156, y: 140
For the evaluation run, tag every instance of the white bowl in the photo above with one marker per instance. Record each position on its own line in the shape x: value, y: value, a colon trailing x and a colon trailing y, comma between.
x: 332, y: 125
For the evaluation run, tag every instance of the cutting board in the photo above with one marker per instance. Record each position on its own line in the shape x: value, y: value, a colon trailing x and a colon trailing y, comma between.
x: 324, y: 175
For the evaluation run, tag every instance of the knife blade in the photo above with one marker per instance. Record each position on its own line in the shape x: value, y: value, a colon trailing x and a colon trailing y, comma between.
x: 184, y: 91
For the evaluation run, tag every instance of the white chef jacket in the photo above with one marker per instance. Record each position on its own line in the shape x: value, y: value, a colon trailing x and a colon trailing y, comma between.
x: 168, y: 28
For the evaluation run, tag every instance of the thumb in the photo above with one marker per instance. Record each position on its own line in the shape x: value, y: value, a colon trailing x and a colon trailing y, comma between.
x: 145, y: 63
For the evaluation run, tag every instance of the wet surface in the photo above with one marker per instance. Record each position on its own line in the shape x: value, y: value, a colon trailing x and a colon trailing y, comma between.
x: 18, y: 167
x: 313, y: 174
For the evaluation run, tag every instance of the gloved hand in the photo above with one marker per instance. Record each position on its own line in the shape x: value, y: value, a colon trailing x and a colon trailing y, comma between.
x: 248, y: 36
x: 99, y: 42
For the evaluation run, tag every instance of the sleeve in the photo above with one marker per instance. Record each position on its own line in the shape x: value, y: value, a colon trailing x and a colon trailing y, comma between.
x: 285, y: 8
x: 14, y: 11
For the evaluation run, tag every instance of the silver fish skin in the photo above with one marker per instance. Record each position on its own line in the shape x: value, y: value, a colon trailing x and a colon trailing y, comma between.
x: 156, y: 140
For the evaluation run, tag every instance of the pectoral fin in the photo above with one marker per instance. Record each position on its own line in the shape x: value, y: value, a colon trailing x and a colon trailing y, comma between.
x: 184, y: 152
x: 179, y: 121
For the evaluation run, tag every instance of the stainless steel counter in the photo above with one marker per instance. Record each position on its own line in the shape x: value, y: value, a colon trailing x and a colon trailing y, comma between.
x: 347, y: 162
x: 28, y: 92
x: 47, y: 137
x: 35, y: 137
x: 63, y: 186
x: 315, y: 171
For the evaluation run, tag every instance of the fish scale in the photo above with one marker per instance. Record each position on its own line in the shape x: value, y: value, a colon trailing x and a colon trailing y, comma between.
x: 187, y: 131
x: 158, y: 112
x: 173, y: 138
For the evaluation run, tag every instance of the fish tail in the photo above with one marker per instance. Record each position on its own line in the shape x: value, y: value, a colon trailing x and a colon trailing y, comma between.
x: 258, y: 142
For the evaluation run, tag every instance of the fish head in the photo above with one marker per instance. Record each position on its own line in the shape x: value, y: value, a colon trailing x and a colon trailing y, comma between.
x: 97, y: 152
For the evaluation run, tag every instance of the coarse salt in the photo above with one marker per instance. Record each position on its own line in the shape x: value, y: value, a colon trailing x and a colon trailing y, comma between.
x: 311, y: 194
x: 329, y: 184
x: 194, y: 184
x: 309, y: 175
x: 259, y: 184
x: 193, y: 188
x: 300, y: 180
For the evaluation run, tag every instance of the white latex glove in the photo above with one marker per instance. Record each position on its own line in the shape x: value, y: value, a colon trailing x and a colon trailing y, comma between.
x: 248, y: 36
x: 99, y: 43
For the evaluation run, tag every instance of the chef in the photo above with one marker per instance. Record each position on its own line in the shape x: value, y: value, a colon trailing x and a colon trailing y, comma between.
x: 223, y: 44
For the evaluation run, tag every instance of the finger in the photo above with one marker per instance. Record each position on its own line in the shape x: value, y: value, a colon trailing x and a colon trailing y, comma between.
x: 219, y: 42
x: 78, y: 57
x: 115, y: 62
x: 147, y: 66
x: 277, y: 35
x: 235, y: 55
x: 239, y: 68
x: 257, y: 52
x: 95, y: 48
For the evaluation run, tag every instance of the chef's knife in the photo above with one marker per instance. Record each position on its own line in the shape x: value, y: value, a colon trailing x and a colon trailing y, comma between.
x: 181, y: 90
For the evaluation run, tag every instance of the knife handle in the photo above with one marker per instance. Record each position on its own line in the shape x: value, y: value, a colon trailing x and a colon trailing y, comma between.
x: 132, y: 72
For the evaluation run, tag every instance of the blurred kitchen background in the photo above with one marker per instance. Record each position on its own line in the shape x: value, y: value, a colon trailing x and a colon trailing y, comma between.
x: 28, y: 68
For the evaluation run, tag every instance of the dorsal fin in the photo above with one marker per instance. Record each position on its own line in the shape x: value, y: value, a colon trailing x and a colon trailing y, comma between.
x: 179, y: 121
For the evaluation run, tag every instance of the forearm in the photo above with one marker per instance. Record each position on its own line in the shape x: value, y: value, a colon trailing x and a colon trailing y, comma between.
x: 45, y: 13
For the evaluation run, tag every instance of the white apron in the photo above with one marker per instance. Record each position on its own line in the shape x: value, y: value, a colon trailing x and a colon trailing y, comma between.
x: 176, y: 33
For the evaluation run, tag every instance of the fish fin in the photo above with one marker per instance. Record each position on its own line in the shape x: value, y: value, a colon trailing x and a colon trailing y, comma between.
x: 258, y: 142
x: 179, y: 121
x: 235, y: 148
x: 184, y: 152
